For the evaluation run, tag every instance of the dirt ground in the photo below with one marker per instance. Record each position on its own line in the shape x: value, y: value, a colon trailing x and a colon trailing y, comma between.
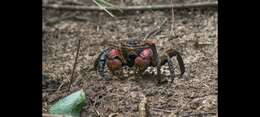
x: 193, y: 32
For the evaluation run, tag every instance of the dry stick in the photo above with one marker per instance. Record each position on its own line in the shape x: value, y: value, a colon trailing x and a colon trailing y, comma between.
x: 75, y: 63
x: 74, y: 2
x: 185, y: 115
x: 112, y: 114
x: 142, y: 107
x: 148, y: 7
x: 50, y: 90
x: 50, y: 115
x: 58, y: 19
x: 94, y: 104
x: 60, y: 86
x: 111, y: 5
x: 188, y: 102
x: 197, y: 114
x: 103, y: 7
x: 155, y: 31
x: 45, y: 110
x: 173, y: 22
x: 163, y: 110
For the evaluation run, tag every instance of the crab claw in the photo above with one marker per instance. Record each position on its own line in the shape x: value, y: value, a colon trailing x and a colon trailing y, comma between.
x: 144, y: 59
x: 139, y: 61
x: 114, y: 64
x: 113, y: 53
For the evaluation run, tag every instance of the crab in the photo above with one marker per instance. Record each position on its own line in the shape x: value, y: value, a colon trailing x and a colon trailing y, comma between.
x: 138, y: 55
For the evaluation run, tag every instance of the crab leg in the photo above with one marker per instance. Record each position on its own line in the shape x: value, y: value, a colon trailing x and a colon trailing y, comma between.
x: 179, y: 59
x: 156, y: 62
x: 158, y: 67
x: 171, y: 67
x: 167, y: 58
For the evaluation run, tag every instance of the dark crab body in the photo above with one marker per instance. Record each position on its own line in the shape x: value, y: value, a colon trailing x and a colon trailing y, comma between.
x: 138, y: 55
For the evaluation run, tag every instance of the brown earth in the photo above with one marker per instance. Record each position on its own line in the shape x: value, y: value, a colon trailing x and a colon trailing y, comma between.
x: 193, y: 32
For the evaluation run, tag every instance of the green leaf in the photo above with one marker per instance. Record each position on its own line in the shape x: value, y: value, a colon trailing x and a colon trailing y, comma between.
x: 70, y: 105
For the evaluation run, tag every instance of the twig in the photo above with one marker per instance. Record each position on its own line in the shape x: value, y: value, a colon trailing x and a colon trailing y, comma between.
x: 197, y: 114
x: 50, y: 115
x: 103, y: 7
x: 188, y: 102
x: 54, y: 20
x: 61, y: 85
x: 97, y: 112
x: 181, y: 108
x: 49, y: 90
x: 113, y: 114
x: 75, y: 63
x: 183, y: 115
x: 148, y: 7
x: 111, y: 5
x: 44, y: 109
x: 95, y: 102
x: 142, y: 108
x: 73, y: 2
x: 173, y: 22
x: 163, y: 110
x: 155, y: 31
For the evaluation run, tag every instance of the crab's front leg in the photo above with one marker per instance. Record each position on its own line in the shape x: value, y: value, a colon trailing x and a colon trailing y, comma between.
x: 110, y: 57
x: 166, y: 58
x: 156, y: 61
x: 158, y: 68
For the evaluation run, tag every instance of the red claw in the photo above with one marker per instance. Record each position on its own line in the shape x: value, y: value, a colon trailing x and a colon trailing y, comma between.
x: 146, y: 53
x: 139, y: 61
x: 145, y: 58
x: 113, y: 53
x: 114, y: 63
